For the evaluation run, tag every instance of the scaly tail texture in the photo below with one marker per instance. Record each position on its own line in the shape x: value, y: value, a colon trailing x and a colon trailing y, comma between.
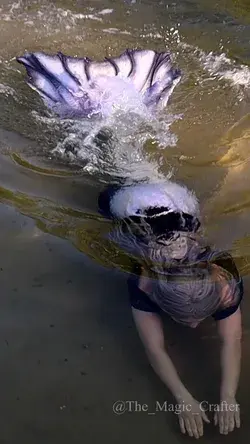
x: 69, y: 86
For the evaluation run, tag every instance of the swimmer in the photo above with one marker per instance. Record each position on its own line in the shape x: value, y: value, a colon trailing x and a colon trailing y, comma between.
x: 178, y: 275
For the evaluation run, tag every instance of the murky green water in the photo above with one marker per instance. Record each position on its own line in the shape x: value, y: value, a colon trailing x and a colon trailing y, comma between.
x: 207, y: 148
x: 209, y: 43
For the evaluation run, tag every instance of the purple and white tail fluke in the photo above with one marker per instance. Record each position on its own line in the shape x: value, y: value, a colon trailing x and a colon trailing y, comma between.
x: 75, y: 87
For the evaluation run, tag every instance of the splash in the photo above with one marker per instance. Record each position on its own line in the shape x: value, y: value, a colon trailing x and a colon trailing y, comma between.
x: 221, y: 67
x: 108, y: 130
x: 52, y: 22
x: 7, y: 90
x: 115, y: 146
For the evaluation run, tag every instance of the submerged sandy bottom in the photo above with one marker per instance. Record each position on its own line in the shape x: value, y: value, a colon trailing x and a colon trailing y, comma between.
x: 69, y: 350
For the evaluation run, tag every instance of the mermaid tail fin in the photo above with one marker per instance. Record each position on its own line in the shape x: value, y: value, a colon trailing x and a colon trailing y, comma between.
x: 60, y: 89
x: 68, y: 84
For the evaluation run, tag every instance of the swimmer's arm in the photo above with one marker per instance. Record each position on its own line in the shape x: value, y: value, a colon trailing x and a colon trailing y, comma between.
x: 150, y: 329
x: 230, y: 332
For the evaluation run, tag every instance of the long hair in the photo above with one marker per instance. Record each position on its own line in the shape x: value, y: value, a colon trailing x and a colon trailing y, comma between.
x: 191, y: 288
x: 185, y: 281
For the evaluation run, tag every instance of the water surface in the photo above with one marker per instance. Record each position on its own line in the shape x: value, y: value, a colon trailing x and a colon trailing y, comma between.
x: 55, y: 256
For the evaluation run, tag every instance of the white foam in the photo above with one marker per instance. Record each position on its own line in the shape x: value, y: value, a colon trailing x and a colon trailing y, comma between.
x: 18, y: 12
x: 123, y: 152
x: 130, y: 125
x: 238, y: 76
x: 111, y: 30
x: 6, y: 90
x: 105, y: 11
x: 220, y: 66
x: 116, y: 31
x: 118, y: 94
x: 16, y: 5
x: 152, y: 35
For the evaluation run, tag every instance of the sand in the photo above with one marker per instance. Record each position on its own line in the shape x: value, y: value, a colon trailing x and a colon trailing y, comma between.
x: 69, y: 350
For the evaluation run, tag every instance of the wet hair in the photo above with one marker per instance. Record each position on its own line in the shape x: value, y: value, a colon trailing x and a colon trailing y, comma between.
x: 190, y: 290
x: 186, y: 282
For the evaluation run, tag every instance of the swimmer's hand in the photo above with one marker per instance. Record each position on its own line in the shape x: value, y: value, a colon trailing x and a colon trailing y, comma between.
x: 228, y: 416
x: 230, y: 331
x: 191, y: 417
x: 150, y: 328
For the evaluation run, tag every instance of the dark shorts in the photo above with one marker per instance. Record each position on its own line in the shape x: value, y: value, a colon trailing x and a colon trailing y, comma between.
x: 138, y: 298
x: 104, y: 200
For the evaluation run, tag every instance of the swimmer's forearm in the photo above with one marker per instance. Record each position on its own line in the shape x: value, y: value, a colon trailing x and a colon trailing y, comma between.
x: 166, y: 371
x: 230, y: 334
x: 150, y: 329
x: 230, y: 365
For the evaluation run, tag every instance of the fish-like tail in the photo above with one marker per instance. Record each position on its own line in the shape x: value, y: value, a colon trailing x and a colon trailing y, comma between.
x: 164, y: 78
x: 68, y: 84
x: 60, y: 89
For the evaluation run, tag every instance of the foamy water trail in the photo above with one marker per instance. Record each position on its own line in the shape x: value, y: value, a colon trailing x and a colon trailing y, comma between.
x: 7, y: 90
x: 113, y: 146
x: 112, y: 142
x: 51, y: 16
x: 221, y: 67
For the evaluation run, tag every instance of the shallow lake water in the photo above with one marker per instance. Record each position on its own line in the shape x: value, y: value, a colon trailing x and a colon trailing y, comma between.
x: 69, y: 347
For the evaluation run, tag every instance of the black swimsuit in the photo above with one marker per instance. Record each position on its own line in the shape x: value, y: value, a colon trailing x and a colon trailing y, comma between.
x: 139, y: 299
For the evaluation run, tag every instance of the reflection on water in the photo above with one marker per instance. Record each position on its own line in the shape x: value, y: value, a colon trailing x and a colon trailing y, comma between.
x: 53, y: 170
x: 48, y: 171
x: 85, y: 230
